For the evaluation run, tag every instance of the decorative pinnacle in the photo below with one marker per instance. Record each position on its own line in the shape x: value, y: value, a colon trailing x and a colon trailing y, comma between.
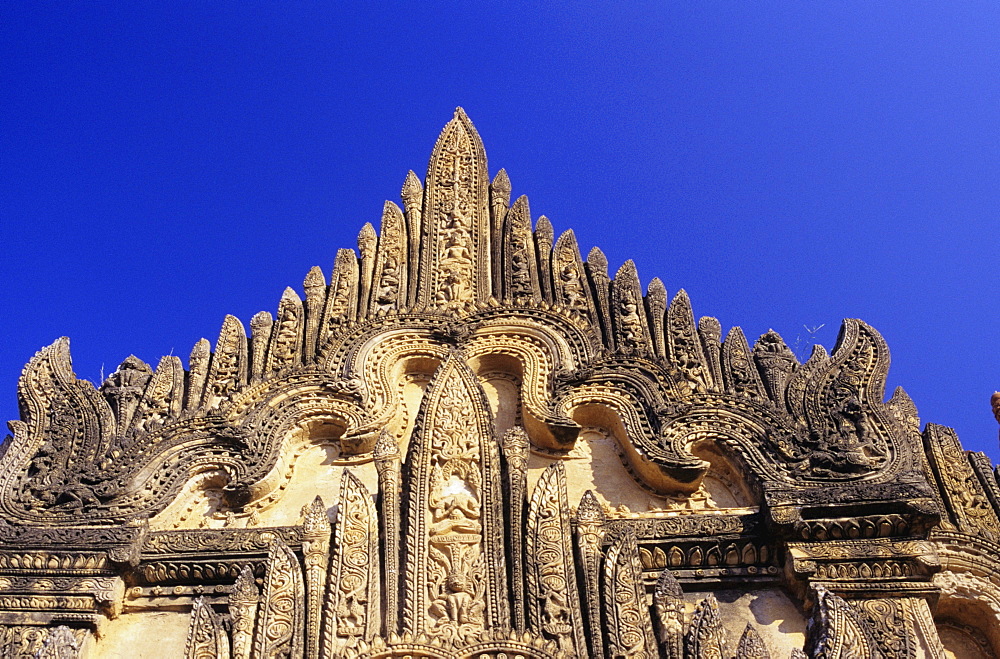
x: 590, y: 510
x: 367, y: 239
x: 597, y: 261
x: 667, y: 587
x: 314, y: 518
x: 501, y: 187
x: 245, y: 588
x: 314, y: 279
x: 290, y: 296
x: 386, y: 447
x: 657, y: 292
x: 412, y: 190
x: 995, y: 402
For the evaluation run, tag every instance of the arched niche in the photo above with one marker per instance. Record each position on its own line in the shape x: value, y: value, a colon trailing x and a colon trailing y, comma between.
x: 967, y: 616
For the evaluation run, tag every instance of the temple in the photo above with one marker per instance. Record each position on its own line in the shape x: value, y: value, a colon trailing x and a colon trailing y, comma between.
x: 466, y: 441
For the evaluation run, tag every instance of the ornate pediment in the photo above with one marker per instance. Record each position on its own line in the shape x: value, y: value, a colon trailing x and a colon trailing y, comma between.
x: 527, y: 457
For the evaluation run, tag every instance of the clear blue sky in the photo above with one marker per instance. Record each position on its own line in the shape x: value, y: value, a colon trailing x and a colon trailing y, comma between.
x: 788, y: 164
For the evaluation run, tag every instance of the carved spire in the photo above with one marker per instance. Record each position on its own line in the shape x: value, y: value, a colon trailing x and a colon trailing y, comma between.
x: 390, y: 283
x: 752, y: 645
x: 569, y: 280
x: 631, y: 332
x: 544, y: 235
x: 706, y: 636
x: 776, y: 362
x: 286, y: 337
x: 413, y: 205
x: 243, y: 611
x: 684, y: 344
x: 352, y: 609
x: 455, y: 264
x: 836, y: 631
x: 520, y: 264
x: 206, y: 636
x: 597, y: 270
x: 367, y: 242
x: 315, y: 288
x: 201, y: 353
x: 740, y: 374
x: 280, y: 623
x: 656, y: 307
x: 229, y: 363
x: 499, y: 203
x: 710, y: 332
x: 260, y: 336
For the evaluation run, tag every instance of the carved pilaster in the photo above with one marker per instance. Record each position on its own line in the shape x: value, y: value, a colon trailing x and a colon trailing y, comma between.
x: 515, y: 450
x: 387, y: 458
x: 206, y: 637
x: 316, y: 555
x: 280, y: 621
x: 62, y: 643
x: 456, y: 573
x: 589, y: 536
x: 351, y: 612
x: 554, y: 607
x: 243, y: 612
x: 629, y: 628
x: 668, y: 605
x: 836, y: 631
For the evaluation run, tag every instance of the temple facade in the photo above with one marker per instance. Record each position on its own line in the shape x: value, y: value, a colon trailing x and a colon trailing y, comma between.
x: 468, y: 441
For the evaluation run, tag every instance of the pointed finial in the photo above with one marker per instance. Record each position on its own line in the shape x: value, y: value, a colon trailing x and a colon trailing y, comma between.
x: 289, y: 295
x: 597, y: 261
x: 590, y: 509
x: 200, y: 352
x: 995, y: 402
x: 501, y: 187
x: 314, y: 518
x: 367, y: 238
x: 386, y: 447
x: 314, y: 279
x: 412, y: 190
x: 544, y: 230
x: 667, y: 587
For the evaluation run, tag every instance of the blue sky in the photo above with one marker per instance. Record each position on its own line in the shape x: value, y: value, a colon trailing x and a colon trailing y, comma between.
x: 788, y: 164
